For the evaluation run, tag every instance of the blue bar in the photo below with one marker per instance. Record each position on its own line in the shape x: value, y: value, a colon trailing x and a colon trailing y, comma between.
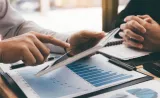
x: 97, y: 74
x: 75, y: 66
x: 82, y: 68
x: 93, y: 71
x: 111, y: 81
x: 106, y: 79
x: 101, y: 76
x: 86, y: 70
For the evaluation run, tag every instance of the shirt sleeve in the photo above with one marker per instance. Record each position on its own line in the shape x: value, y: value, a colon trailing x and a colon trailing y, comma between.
x: 13, y: 24
x: 134, y: 7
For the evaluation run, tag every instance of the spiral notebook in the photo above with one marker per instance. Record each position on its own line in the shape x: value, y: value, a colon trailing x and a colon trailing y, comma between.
x: 116, y: 49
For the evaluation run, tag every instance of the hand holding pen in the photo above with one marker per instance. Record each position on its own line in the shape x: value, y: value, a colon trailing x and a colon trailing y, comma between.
x: 83, y: 40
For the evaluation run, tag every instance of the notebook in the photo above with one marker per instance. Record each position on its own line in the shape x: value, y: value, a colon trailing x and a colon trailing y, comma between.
x: 116, y: 49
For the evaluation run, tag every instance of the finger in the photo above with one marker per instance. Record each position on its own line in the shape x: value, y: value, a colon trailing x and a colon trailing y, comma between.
x: 147, y: 18
x: 136, y: 26
x: 90, y: 34
x: 28, y: 57
x: 130, y: 43
x: 133, y: 25
x: 128, y: 25
x: 121, y: 34
x: 133, y: 35
x: 144, y: 16
x: 124, y: 26
x: 42, y: 48
x: 125, y: 37
x: 135, y: 18
x: 37, y: 54
x: 52, y: 40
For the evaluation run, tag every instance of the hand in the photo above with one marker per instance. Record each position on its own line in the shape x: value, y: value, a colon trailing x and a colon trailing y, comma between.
x: 144, y: 30
x: 83, y: 40
x: 28, y: 47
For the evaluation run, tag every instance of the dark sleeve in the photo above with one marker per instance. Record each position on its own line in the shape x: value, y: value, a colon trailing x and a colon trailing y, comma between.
x: 134, y: 7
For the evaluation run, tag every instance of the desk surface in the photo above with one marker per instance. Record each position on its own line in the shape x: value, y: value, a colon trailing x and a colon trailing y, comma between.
x: 5, y: 92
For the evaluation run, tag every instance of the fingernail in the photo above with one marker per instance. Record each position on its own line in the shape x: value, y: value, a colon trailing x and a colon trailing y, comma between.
x: 144, y: 31
x: 142, y: 39
x: 67, y: 45
x: 140, y: 46
x: 101, y: 34
x: 121, y: 34
x: 124, y: 43
x: 125, y: 19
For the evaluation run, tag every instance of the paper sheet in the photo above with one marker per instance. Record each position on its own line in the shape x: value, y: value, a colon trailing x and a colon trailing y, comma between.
x: 123, y: 52
x: 149, y: 89
x: 83, y: 76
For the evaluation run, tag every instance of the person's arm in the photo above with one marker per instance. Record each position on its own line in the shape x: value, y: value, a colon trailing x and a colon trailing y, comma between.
x: 13, y: 24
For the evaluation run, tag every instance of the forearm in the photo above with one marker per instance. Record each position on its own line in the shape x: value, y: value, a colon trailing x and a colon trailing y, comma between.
x: 12, y: 24
x: 28, y: 26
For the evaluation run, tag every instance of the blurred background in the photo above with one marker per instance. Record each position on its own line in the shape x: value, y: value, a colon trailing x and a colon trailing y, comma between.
x: 64, y: 15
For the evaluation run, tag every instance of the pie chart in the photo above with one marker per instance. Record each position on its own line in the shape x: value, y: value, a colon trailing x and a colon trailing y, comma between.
x: 143, y: 93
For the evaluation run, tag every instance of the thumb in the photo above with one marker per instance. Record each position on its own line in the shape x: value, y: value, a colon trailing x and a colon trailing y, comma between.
x: 91, y: 34
x: 149, y: 20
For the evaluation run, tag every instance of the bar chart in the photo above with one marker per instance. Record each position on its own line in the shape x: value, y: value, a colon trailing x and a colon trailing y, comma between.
x: 80, y: 77
x: 143, y: 93
x: 96, y: 76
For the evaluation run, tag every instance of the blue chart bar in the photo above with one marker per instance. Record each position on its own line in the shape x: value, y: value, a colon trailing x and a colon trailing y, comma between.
x: 95, y: 76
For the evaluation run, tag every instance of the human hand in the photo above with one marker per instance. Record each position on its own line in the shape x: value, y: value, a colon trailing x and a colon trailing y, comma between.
x: 28, y: 47
x: 144, y: 30
x: 84, y: 40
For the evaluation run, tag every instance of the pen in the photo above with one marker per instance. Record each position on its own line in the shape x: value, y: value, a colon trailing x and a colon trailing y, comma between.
x: 63, y: 61
x: 63, y: 57
x: 23, y: 65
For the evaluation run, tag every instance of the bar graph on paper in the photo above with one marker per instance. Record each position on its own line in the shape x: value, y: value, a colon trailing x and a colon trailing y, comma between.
x: 95, y: 76
x: 148, y: 89
x: 84, y: 75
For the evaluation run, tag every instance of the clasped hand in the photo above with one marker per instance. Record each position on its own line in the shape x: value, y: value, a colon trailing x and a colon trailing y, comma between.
x: 141, y: 32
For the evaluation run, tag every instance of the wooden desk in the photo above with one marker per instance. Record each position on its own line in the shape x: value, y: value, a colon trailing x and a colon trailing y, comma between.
x: 5, y: 92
